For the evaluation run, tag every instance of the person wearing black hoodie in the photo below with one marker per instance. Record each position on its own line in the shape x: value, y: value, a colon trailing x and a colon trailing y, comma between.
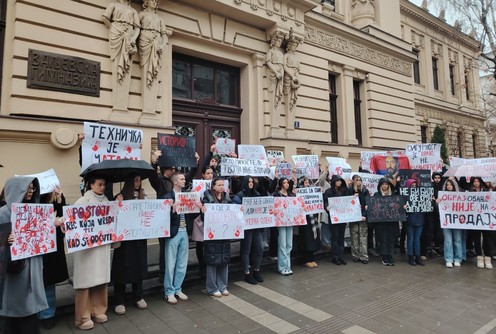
x: 431, y: 240
x: 385, y: 231
x: 253, y: 241
x: 338, y: 188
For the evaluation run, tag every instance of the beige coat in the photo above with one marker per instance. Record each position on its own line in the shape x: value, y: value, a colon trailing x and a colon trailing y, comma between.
x: 91, y: 266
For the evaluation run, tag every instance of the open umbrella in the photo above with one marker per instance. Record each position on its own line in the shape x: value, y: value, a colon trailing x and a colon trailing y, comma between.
x: 119, y: 170
x: 467, y: 170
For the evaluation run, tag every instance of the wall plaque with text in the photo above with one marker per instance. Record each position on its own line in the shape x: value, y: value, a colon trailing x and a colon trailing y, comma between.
x: 53, y: 71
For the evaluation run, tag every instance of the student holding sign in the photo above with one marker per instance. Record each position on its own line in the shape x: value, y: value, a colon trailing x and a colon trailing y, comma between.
x: 217, y: 253
x: 92, y: 269
x: 359, y: 230
x: 308, y: 236
x: 285, y: 239
x: 252, y: 244
x: 386, y: 231
x: 23, y: 290
x: 338, y: 188
x: 129, y: 263
x: 414, y: 225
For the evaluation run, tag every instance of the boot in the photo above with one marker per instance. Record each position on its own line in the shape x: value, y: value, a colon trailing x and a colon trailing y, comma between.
x: 419, y: 261
x: 487, y: 262
x: 411, y: 260
x: 480, y: 261
x: 250, y: 279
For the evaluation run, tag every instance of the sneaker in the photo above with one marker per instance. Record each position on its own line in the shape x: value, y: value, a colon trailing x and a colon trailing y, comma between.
x: 216, y: 294
x: 449, y: 265
x: 182, y: 296
x: 86, y: 325
x: 250, y: 279
x: 225, y: 293
x: 120, y: 309
x: 257, y: 276
x: 457, y: 264
x: 365, y: 261
x: 141, y: 304
x: 315, y: 265
x: 284, y: 273
x: 385, y: 263
x: 171, y: 299
x: 290, y: 272
x: 100, y: 318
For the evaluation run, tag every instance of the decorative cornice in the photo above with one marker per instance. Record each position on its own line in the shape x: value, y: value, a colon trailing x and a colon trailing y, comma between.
x: 356, y: 50
x: 287, y: 12
x: 438, y: 25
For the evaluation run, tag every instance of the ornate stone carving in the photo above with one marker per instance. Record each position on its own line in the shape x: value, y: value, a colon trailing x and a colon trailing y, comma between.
x: 123, y: 23
x: 274, y: 59
x: 442, y: 15
x: 343, y: 46
x: 452, y: 57
x: 437, y: 49
x: 417, y: 40
x: 362, y: 12
x: 291, y: 79
x: 152, y: 41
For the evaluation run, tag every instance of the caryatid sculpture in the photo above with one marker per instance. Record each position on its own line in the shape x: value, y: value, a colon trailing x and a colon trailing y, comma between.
x: 123, y: 23
x: 274, y: 60
x: 152, y: 41
x: 291, y: 80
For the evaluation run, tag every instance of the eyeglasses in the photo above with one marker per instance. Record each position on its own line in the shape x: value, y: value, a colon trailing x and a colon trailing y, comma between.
x: 32, y: 190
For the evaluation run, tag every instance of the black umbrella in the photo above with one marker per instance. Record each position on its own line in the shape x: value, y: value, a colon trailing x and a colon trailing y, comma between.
x: 119, y: 170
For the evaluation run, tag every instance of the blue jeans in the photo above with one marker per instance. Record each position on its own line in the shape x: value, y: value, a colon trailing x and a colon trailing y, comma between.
x: 50, y: 296
x: 285, y: 244
x: 325, y: 235
x: 453, y: 245
x: 176, y: 262
x: 413, y: 234
x: 217, y: 276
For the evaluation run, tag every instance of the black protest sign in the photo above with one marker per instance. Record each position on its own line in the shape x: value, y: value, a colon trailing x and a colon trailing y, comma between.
x: 177, y: 151
x: 386, y: 209
x: 419, y: 198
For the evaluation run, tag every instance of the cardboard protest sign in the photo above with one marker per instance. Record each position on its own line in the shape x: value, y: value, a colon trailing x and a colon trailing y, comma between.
x: 200, y: 186
x: 5, y: 230
x: 284, y: 169
x: 275, y: 157
x: 252, y: 152
x: 307, y: 165
x: 188, y: 202
x: 289, y: 211
x: 258, y: 212
x: 389, y: 165
x: 425, y: 156
x: 177, y: 151
x: 344, y: 209
x: 48, y: 180
x: 488, y: 164
x: 143, y: 219
x: 467, y: 210
x: 419, y: 199
x: 225, y: 146
x: 386, y: 209
x: 90, y: 225
x: 33, y: 226
x: 339, y: 166
x: 108, y: 142
x: 370, y: 181
x: 223, y: 221
x: 241, y: 167
x: 366, y: 157
x: 312, y: 197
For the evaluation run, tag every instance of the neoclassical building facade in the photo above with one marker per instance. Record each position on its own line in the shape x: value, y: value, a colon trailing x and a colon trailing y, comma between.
x: 331, y: 78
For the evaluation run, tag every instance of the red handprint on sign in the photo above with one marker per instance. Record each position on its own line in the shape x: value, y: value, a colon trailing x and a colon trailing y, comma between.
x: 96, y: 146
x: 210, y: 234
x: 128, y: 149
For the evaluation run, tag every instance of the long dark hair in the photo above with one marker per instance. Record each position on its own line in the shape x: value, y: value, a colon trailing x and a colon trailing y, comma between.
x: 128, y: 190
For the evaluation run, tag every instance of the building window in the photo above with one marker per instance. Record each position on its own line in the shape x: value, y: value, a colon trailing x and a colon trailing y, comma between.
x: 435, y: 77
x: 452, y: 79
x: 459, y: 139
x: 333, y: 109
x: 358, y: 112
x: 204, y: 82
x: 474, y: 144
x: 416, y: 67
x: 467, y: 86
x: 423, y: 134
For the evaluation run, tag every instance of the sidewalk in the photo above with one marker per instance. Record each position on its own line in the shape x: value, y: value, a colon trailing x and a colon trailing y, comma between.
x: 351, y: 299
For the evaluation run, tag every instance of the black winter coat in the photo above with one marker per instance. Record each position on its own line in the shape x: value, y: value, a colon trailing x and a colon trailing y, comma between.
x: 216, y: 252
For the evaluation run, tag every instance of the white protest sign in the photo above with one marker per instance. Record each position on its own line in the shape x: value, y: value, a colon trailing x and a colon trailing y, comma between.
x: 312, y: 197
x: 339, y: 166
x: 242, y: 167
x: 289, y: 211
x: 467, y: 210
x: 366, y: 157
x: 275, y: 157
x: 252, y: 152
x: 144, y: 219
x: 48, y: 180
x: 488, y: 164
x: 108, y: 142
x: 200, y: 186
x: 33, y: 226
x: 344, y: 209
x: 225, y: 146
x: 284, y: 169
x: 307, y: 165
x: 90, y: 225
x: 258, y: 212
x: 370, y: 181
x: 188, y: 202
x: 223, y: 221
x: 425, y: 156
